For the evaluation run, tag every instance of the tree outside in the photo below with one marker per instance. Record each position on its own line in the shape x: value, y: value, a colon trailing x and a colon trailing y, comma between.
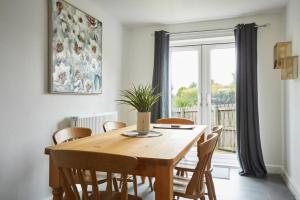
x: 185, y: 97
x: 188, y: 96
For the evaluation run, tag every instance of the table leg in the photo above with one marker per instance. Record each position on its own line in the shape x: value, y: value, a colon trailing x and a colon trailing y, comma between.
x: 54, y: 183
x: 164, y: 183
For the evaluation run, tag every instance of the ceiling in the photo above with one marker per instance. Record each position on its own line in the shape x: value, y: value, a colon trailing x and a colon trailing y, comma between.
x: 178, y: 11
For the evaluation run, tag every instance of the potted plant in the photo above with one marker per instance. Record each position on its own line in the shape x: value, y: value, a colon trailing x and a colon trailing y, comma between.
x: 142, y: 98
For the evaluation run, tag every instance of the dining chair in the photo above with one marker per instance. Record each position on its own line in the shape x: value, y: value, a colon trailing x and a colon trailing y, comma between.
x: 70, y: 134
x: 216, y: 129
x: 182, y: 121
x: 189, y: 162
x: 114, y: 125
x: 194, y: 187
x: 70, y: 161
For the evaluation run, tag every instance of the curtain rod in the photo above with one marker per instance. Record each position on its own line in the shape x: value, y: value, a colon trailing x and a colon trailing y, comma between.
x: 220, y: 29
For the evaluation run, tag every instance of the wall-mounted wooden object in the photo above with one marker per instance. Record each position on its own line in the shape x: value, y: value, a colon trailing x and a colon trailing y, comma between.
x: 290, y: 68
x: 281, y: 50
x: 284, y: 60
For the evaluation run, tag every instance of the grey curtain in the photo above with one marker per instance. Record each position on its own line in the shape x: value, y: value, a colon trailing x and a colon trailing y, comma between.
x: 248, y: 135
x: 160, y: 79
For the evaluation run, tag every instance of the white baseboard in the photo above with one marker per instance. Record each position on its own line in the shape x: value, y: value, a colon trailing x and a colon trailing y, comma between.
x: 295, y: 190
x: 274, y: 169
x: 277, y: 169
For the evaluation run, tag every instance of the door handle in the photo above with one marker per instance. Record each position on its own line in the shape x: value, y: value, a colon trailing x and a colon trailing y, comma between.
x: 208, y: 99
x: 200, y: 99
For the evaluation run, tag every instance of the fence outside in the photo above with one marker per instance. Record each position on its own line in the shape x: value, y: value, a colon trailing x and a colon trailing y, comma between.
x: 224, y: 115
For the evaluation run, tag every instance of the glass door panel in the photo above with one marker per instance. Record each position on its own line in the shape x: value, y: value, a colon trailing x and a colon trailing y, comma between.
x: 223, y: 93
x: 220, y: 63
x: 184, y: 75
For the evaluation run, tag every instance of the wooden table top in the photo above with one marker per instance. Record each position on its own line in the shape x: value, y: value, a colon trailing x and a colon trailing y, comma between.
x: 168, y: 148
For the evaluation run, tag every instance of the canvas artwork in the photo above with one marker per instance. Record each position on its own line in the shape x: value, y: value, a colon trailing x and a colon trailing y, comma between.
x: 75, y: 50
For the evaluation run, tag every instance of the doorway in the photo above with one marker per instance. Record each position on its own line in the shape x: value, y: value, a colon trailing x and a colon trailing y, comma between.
x: 203, y: 84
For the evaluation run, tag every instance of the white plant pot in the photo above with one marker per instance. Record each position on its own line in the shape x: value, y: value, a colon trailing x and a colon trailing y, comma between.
x: 143, y: 122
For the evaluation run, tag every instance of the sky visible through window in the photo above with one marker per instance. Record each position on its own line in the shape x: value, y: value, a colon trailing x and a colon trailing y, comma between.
x: 223, y: 67
x: 185, y: 70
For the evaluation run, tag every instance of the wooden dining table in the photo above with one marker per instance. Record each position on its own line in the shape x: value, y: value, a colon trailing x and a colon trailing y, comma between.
x: 156, y: 156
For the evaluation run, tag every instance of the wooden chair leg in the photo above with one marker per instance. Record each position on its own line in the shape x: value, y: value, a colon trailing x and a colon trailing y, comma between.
x: 212, y: 187
x: 181, y: 172
x: 150, y: 183
x: 135, y: 185
x: 208, y: 185
x: 186, y: 174
x: 121, y: 183
x: 82, y: 196
x: 115, y: 183
x: 143, y: 178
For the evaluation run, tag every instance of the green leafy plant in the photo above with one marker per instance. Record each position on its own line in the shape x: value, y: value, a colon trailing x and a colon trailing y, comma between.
x: 142, y: 97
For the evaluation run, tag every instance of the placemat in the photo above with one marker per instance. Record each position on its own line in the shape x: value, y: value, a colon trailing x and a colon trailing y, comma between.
x: 137, y: 135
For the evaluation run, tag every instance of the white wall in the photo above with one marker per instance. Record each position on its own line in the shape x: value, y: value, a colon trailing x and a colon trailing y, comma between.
x: 138, y: 66
x: 291, y: 108
x: 28, y: 114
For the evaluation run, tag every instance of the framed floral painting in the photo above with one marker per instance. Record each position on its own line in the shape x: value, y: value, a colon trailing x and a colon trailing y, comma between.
x: 75, y: 50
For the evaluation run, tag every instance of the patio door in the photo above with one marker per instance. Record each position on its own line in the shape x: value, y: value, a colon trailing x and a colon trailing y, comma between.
x: 203, y: 87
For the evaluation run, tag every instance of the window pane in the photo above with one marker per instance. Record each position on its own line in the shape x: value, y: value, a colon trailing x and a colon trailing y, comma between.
x: 223, y: 93
x: 184, y: 83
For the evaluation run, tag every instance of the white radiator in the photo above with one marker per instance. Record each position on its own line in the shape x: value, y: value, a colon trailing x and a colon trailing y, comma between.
x: 93, y: 121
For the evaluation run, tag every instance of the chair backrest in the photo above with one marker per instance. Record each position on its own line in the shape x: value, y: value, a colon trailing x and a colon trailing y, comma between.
x: 113, y: 125
x: 175, y: 121
x: 216, y: 130
x: 205, y: 150
x: 69, y: 134
x: 70, y: 162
